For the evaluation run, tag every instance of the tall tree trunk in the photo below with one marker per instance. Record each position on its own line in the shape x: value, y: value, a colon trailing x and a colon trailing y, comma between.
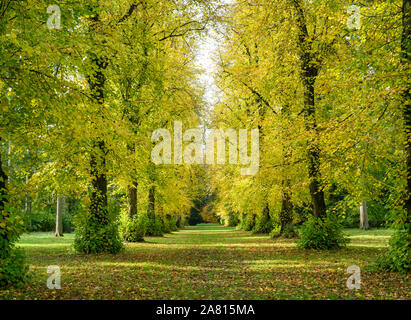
x: 59, y: 216
x: 151, y: 202
x: 132, y: 188
x: 363, y: 216
x: 71, y: 204
x: 135, y: 120
x: 98, y: 205
x: 4, y: 214
x: 406, y: 55
x: 262, y: 112
x: 151, y: 192
x: 96, y: 81
x: 286, y: 213
x: 309, y: 72
x: 9, y: 161
x: 316, y: 192
x: 132, y: 199
x: 3, y: 187
x: 101, y: 240
x: 27, y: 204
x: 265, y: 212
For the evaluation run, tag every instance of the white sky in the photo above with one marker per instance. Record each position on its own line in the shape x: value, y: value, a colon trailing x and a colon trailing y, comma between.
x: 206, y: 59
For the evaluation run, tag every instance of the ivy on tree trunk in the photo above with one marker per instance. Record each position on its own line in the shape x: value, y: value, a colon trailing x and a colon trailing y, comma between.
x: 309, y: 69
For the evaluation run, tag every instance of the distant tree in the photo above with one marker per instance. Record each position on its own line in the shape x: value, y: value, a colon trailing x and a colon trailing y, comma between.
x: 59, y: 215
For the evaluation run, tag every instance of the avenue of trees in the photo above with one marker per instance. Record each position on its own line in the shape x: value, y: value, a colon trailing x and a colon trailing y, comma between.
x: 330, y: 96
x: 80, y: 99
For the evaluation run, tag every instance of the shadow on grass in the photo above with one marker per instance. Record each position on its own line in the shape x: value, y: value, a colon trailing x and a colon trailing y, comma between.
x: 208, y: 262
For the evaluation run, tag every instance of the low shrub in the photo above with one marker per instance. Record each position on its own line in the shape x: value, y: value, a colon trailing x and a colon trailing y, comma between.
x: 165, y: 225
x: 42, y: 221
x: 263, y: 224
x: 13, y: 268
x: 289, y: 231
x: 93, y: 236
x: 322, y: 234
x: 169, y: 224
x: 172, y: 223
x: 249, y: 222
x: 133, y: 229
x: 275, y: 232
x: 231, y: 220
x: 180, y: 222
x: 154, y: 227
x: 397, y: 258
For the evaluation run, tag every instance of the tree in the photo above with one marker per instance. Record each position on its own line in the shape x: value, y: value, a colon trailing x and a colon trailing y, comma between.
x: 24, y: 94
x: 406, y: 96
x: 363, y: 216
x: 398, y: 257
x: 317, y: 77
x: 309, y: 69
x: 59, y: 215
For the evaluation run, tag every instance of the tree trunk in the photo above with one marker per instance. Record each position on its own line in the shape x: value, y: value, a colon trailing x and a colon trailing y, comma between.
x: 9, y: 161
x: 70, y: 209
x: 59, y: 216
x: 406, y: 55
x: 253, y: 221
x: 132, y: 188
x: 316, y: 192
x: 286, y: 213
x: 151, y: 202
x: 98, y: 205
x: 27, y: 204
x: 265, y: 212
x: 132, y: 199
x: 4, y: 214
x: 309, y: 72
x: 96, y: 81
x: 363, y: 216
x: 3, y: 187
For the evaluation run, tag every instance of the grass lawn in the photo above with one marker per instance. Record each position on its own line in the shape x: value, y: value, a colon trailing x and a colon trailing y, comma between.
x: 209, y: 262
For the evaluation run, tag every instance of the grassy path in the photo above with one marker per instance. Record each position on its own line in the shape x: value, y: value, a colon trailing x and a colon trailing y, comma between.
x: 209, y: 262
